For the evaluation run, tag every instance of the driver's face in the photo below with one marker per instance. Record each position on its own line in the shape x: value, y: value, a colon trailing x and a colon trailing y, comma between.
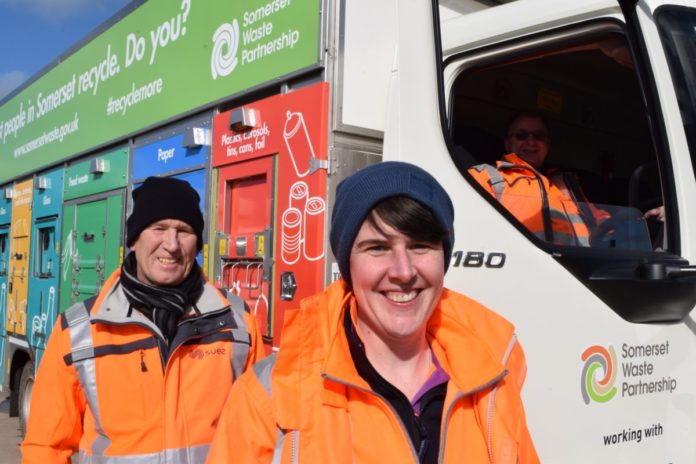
x: 529, y: 139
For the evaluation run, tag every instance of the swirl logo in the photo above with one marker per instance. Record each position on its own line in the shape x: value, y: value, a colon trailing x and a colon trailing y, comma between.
x: 599, y: 390
x: 225, y: 44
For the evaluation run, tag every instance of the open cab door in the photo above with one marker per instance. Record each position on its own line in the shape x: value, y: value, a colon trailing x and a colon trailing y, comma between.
x: 604, y: 306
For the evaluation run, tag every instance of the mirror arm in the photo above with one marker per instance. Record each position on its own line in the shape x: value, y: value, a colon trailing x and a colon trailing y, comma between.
x: 662, y: 271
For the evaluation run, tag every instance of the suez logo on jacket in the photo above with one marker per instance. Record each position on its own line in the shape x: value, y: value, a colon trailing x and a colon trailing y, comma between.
x: 199, y: 353
x: 638, y: 372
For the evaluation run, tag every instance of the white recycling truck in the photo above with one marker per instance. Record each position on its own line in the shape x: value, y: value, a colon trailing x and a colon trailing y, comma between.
x: 608, y: 330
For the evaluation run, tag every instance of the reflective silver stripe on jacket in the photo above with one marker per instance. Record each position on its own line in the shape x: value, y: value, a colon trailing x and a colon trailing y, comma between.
x: 491, y: 399
x: 278, y: 450
x: 193, y: 455
x: 82, y: 352
x: 242, y: 337
x: 263, y: 370
x: 545, y: 206
x: 497, y: 183
x: 495, y: 180
x: 573, y: 219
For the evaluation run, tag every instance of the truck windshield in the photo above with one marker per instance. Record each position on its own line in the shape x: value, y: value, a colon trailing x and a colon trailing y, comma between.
x: 677, y: 26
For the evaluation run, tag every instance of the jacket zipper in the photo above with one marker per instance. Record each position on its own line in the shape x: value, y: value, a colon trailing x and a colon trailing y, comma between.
x: 143, y: 366
x: 171, y: 350
x: 489, y: 438
x: 192, y: 320
x: 161, y: 343
x: 443, y: 438
x: 294, y: 447
x: 460, y: 395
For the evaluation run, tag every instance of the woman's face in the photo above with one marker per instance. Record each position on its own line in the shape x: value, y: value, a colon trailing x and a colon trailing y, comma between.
x: 397, y: 282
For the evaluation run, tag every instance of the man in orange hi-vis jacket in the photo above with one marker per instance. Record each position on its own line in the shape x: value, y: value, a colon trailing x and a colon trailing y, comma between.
x: 545, y: 205
x: 386, y: 365
x: 140, y: 373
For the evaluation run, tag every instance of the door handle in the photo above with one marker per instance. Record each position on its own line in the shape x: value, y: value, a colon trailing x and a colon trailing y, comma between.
x: 288, y: 286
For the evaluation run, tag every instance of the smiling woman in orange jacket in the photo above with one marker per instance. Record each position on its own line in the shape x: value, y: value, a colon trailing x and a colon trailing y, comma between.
x: 386, y: 365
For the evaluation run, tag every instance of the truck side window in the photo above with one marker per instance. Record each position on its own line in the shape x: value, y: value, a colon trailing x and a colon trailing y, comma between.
x: 555, y: 130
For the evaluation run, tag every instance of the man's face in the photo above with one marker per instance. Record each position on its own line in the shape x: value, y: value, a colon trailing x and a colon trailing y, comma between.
x: 397, y: 283
x: 529, y: 139
x: 165, y: 252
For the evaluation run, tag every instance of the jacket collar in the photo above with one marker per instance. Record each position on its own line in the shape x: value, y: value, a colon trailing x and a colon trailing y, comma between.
x: 112, y: 305
x: 513, y: 162
x: 513, y: 158
x: 314, y: 344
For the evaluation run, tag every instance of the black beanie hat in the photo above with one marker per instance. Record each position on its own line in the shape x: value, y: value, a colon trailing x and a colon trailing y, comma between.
x: 359, y: 193
x: 164, y: 198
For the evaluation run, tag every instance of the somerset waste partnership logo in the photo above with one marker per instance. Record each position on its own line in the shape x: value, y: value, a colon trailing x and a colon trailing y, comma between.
x: 225, y: 45
x: 643, y: 369
x: 598, y: 374
x: 253, y: 36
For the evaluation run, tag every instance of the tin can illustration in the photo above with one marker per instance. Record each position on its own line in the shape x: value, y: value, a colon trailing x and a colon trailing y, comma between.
x: 298, y: 143
x: 298, y: 195
x: 291, y: 239
x: 312, y: 243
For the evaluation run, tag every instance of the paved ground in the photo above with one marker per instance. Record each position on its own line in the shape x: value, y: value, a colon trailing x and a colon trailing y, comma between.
x: 9, y: 434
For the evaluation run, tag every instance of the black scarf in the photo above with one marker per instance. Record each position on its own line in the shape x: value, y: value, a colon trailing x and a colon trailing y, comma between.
x: 164, y: 306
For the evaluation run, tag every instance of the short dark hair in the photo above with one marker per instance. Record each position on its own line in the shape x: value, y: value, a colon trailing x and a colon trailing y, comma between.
x: 409, y: 217
x: 526, y: 113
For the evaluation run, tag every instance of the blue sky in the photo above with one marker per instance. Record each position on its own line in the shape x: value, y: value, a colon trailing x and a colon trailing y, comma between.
x: 33, y: 33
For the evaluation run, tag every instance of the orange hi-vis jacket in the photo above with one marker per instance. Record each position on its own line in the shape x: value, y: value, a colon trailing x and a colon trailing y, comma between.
x: 308, y: 404
x: 537, y: 203
x: 107, y: 389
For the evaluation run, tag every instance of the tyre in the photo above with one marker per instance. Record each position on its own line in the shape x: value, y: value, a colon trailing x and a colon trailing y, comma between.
x: 26, y: 384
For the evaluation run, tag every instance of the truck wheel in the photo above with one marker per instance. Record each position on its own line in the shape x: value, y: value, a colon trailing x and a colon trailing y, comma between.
x: 26, y: 384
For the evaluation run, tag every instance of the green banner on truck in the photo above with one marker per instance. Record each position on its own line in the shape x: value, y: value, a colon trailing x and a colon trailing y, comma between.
x: 161, y: 60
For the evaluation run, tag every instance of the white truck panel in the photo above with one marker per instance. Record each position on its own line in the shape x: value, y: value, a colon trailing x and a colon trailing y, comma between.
x: 368, y: 41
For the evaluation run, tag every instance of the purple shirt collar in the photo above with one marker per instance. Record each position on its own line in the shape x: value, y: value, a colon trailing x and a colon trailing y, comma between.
x: 438, y: 377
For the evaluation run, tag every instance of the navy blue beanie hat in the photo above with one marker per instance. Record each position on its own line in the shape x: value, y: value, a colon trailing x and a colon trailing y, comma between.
x: 164, y: 198
x: 358, y: 194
